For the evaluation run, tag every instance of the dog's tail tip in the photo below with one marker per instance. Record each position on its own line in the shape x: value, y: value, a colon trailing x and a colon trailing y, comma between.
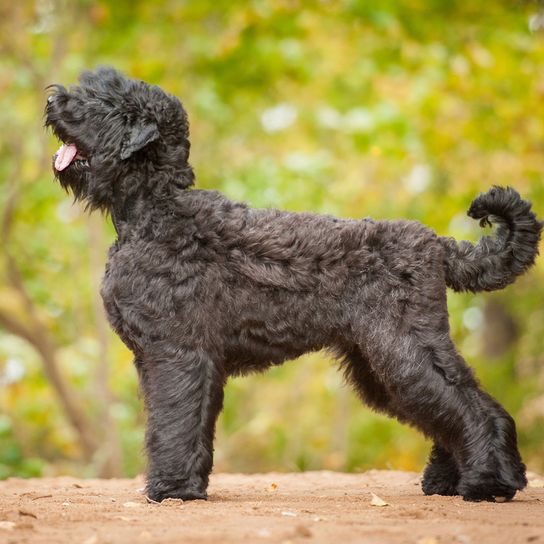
x: 500, y: 203
x: 495, y: 262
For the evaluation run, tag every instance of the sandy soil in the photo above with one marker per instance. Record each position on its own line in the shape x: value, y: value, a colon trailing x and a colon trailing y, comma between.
x: 312, y: 507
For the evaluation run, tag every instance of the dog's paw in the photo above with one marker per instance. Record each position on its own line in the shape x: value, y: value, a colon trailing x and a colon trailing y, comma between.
x: 490, y: 493
x: 477, y: 487
x: 441, y: 475
x: 158, y: 490
x: 440, y: 486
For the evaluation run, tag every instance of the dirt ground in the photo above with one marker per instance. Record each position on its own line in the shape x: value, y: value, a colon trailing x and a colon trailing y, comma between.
x: 311, y: 507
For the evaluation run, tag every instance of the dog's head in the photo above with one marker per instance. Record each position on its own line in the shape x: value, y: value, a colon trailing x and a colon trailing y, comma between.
x: 120, y: 137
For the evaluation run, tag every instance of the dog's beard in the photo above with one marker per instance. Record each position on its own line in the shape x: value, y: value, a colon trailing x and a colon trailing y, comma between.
x: 74, y: 177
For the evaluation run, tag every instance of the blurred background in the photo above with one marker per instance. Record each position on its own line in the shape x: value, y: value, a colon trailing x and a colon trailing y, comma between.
x: 387, y: 109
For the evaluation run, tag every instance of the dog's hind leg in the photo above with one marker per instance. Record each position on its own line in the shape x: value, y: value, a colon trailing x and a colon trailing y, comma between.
x: 358, y: 372
x: 432, y: 388
x: 441, y: 475
x: 183, y: 391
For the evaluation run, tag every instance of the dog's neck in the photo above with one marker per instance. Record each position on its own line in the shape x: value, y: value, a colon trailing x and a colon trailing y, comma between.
x: 134, y: 201
x: 118, y: 224
x: 126, y: 212
x: 133, y: 211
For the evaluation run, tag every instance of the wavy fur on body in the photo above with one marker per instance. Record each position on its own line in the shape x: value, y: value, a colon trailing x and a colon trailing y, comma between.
x: 201, y: 288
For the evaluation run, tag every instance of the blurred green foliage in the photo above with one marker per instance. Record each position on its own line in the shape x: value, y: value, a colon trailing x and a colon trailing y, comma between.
x: 356, y: 108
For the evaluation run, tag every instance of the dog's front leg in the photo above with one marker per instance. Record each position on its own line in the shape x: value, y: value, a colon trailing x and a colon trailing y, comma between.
x: 184, y: 394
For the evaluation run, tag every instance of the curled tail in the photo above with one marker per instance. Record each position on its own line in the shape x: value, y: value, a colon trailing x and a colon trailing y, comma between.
x: 495, y: 261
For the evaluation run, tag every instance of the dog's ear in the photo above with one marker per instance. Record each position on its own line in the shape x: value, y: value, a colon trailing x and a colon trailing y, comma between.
x: 139, y: 134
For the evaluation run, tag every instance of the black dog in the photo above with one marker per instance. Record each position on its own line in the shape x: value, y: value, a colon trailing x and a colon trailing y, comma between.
x: 201, y: 288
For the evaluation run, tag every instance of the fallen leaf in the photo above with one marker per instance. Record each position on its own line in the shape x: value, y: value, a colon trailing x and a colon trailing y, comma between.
x: 273, y: 487
x: 377, y: 501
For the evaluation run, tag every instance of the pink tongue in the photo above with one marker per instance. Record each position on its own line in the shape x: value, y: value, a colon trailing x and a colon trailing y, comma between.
x: 65, y: 155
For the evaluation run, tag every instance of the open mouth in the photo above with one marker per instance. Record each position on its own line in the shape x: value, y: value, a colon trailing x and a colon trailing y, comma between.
x: 66, y: 155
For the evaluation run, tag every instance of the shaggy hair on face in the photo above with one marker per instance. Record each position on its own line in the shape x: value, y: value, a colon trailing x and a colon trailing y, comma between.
x: 201, y: 288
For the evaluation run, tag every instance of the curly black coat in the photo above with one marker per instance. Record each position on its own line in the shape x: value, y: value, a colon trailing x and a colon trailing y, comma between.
x: 201, y: 288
